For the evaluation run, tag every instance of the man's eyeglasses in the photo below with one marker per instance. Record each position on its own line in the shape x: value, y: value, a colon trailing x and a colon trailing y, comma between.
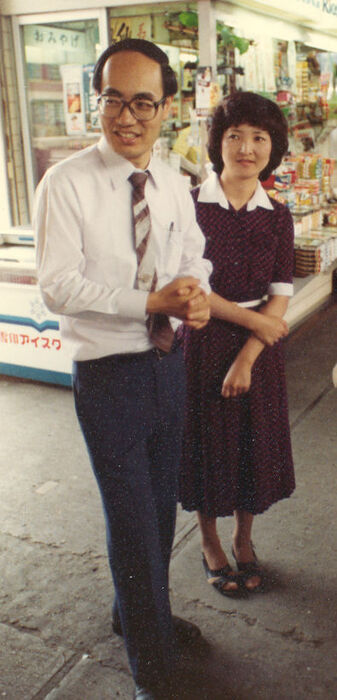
x: 140, y: 107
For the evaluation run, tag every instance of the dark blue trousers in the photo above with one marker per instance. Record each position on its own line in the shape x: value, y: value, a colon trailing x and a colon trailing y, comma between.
x: 130, y: 408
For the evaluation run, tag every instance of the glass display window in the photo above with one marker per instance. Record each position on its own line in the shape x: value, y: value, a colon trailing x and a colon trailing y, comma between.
x: 59, y: 104
x: 174, y: 28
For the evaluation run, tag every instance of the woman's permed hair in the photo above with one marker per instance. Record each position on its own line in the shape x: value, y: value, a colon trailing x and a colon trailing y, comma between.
x: 255, y: 110
x: 147, y: 48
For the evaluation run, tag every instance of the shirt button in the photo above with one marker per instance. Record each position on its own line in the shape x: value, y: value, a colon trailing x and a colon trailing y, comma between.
x: 145, y: 278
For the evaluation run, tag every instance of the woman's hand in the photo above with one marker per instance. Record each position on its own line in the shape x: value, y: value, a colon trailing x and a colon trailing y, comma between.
x: 270, y: 329
x: 238, y: 378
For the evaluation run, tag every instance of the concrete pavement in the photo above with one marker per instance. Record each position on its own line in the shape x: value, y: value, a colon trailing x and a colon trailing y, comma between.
x: 55, y: 631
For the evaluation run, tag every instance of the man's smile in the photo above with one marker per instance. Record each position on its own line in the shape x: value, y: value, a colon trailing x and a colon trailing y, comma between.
x: 125, y: 135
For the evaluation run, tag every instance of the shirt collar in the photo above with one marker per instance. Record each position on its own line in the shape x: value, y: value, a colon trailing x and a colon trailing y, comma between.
x: 212, y: 192
x: 120, y: 168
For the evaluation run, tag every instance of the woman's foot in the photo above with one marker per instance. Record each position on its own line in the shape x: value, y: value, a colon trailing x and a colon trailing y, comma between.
x: 248, y: 566
x: 223, y: 579
x: 215, y: 560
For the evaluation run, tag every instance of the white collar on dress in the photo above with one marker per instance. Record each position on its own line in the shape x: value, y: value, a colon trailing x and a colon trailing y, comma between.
x: 212, y: 192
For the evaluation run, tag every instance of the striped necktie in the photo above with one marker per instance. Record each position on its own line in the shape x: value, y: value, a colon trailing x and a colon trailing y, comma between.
x: 158, y: 325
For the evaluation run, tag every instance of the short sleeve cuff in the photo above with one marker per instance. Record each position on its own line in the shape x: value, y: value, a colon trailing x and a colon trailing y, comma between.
x: 131, y: 303
x: 281, y: 289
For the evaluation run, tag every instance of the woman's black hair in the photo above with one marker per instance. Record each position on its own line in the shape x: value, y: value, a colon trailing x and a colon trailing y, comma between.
x: 255, y: 110
x: 147, y: 48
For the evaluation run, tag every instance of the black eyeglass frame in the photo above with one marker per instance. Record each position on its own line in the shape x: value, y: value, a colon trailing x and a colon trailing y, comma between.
x: 128, y: 104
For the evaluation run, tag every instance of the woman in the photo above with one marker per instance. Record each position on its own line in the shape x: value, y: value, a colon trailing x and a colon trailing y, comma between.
x: 237, y: 453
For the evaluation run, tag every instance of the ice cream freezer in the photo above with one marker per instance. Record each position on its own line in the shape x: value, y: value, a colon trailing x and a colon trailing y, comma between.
x: 30, y: 342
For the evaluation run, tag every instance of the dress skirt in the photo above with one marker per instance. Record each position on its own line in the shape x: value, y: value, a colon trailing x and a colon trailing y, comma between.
x: 237, y: 451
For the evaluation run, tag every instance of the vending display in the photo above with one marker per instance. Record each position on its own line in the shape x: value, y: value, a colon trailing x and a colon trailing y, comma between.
x: 30, y: 342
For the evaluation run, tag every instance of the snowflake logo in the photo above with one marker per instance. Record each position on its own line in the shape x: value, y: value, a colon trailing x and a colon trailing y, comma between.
x: 38, y: 309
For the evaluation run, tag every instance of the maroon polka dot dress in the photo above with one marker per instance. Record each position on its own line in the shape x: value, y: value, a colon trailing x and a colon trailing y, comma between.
x: 237, y: 451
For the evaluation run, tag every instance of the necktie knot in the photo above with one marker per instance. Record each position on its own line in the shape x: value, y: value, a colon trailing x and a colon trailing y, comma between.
x: 138, y: 181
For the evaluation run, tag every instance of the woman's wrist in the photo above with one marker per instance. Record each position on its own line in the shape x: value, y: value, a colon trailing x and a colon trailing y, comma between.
x: 250, y: 351
x: 245, y: 359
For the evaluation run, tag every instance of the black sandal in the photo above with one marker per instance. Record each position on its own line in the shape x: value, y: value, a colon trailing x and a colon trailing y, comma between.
x: 249, y: 569
x: 219, y: 577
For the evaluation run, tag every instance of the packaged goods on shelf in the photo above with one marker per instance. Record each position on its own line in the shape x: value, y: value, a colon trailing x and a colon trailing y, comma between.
x: 289, y: 165
x: 328, y: 236
x: 328, y: 165
x: 315, y: 252
x: 305, y: 222
x: 313, y: 185
x: 315, y: 245
x: 308, y: 193
x: 330, y: 217
x: 326, y: 185
x: 309, y: 257
x: 283, y: 181
x: 308, y: 165
x: 275, y: 194
x: 302, y: 81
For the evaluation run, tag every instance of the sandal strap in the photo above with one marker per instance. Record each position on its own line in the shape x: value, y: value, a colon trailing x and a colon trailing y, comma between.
x: 225, y: 574
x: 225, y: 571
x: 249, y: 568
x: 222, y: 576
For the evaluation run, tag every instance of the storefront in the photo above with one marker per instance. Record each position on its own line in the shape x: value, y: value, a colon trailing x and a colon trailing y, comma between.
x: 292, y: 58
x: 49, y: 111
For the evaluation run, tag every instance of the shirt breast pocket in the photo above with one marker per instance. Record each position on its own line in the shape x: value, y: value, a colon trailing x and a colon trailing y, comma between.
x: 172, y: 254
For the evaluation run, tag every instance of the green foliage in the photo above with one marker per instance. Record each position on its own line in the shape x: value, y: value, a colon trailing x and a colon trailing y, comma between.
x: 227, y: 39
x: 188, y: 19
x: 226, y: 36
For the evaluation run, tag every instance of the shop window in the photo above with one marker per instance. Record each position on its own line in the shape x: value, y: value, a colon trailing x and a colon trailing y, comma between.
x: 175, y: 30
x: 59, y: 60
x: 12, y: 128
x: 166, y: 28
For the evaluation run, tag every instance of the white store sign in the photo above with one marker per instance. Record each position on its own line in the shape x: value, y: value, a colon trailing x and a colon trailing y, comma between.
x: 30, y: 341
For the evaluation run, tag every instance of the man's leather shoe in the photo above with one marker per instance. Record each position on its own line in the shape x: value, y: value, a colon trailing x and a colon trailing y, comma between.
x: 143, y: 694
x: 186, y: 632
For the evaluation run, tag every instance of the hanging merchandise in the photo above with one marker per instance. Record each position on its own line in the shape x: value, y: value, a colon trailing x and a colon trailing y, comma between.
x: 73, y: 98
x: 203, y: 91
x: 266, y: 53
x: 230, y: 48
x: 90, y: 100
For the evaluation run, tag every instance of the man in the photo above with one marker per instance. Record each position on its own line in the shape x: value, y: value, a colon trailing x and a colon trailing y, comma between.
x: 116, y: 261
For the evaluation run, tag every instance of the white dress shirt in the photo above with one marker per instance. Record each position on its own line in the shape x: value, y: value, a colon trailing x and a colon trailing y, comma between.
x: 212, y: 192
x: 86, y: 256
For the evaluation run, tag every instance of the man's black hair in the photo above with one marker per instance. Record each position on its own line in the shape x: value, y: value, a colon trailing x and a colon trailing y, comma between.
x: 147, y: 48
